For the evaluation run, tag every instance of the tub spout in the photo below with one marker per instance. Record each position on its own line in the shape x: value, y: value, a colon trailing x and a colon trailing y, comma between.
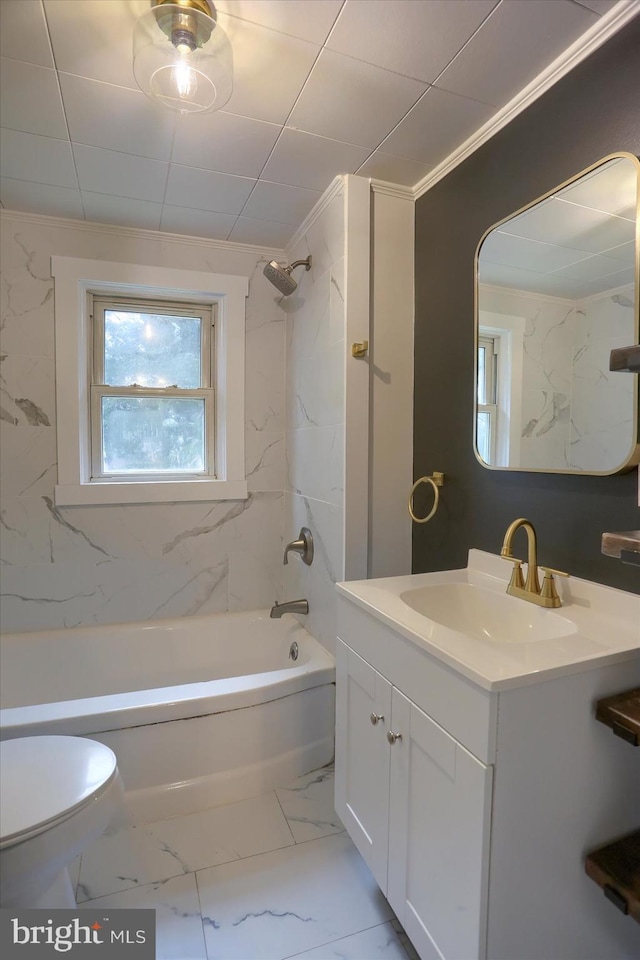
x: 291, y: 606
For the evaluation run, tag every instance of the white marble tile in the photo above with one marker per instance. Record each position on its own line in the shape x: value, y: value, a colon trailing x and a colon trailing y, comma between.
x: 179, y: 934
x: 282, y: 903
x: 29, y: 460
x: 377, y: 943
x: 315, y: 463
x: 255, y: 579
x: 145, y: 853
x: 325, y: 238
x: 27, y: 391
x: 307, y: 803
x: 264, y: 459
x: 315, y: 397
x: 337, y: 316
x: 308, y: 318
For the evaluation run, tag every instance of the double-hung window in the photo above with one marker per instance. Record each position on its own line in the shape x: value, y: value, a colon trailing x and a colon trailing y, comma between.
x: 486, y: 426
x: 152, y: 390
x: 149, y: 383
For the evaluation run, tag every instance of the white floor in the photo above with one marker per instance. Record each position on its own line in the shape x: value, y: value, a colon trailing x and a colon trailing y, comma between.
x: 268, y: 878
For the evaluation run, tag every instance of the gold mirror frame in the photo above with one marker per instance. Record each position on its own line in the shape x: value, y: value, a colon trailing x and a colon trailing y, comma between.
x: 515, y: 335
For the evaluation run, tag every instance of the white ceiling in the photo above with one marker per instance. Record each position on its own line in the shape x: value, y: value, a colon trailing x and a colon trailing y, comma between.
x: 383, y: 88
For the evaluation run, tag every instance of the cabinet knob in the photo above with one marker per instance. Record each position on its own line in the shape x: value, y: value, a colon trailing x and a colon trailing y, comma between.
x: 375, y: 717
x: 392, y: 737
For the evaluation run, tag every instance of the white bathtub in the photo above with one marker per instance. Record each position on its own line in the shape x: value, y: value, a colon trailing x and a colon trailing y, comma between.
x: 199, y: 711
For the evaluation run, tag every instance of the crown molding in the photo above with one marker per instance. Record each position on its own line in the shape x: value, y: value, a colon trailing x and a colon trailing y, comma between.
x: 334, y: 188
x: 392, y: 189
x: 137, y: 233
x: 608, y: 25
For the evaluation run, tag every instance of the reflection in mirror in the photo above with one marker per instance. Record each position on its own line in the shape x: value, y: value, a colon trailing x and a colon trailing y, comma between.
x: 556, y: 291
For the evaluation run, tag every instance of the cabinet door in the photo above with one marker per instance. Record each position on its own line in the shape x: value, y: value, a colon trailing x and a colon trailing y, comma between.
x: 439, y: 818
x: 362, y: 757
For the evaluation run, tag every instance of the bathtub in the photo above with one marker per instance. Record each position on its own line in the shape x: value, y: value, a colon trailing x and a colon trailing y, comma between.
x: 199, y: 711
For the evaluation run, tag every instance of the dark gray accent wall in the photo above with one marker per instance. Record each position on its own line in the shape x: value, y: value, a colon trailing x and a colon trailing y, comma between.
x: 592, y: 112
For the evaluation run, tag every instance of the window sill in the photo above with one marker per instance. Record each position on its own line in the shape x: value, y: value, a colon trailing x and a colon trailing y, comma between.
x: 144, y: 491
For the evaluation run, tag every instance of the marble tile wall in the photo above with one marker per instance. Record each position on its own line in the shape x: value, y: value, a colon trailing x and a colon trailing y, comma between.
x: 602, y: 401
x: 314, y: 403
x: 575, y: 412
x: 78, y: 565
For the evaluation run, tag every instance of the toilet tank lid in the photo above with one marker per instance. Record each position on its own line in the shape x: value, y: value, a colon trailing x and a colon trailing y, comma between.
x: 44, y: 779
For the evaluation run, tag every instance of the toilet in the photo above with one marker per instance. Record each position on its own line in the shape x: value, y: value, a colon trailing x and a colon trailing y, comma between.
x: 58, y: 794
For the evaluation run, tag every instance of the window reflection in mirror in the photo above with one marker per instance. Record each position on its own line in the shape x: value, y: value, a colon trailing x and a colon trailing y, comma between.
x: 556, y: 291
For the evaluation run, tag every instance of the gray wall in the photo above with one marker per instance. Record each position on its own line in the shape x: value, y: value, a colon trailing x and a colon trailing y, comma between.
x: 592, y: 112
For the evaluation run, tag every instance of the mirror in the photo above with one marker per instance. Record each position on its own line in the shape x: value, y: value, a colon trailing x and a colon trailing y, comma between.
x: 556, y: 290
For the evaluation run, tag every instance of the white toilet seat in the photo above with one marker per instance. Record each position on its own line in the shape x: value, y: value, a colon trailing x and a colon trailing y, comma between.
x: 76, y: 771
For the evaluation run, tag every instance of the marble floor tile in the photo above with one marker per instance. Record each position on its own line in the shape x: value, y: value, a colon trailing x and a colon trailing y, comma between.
x: 150, y: 852
x: 179, y: 934
x: 376, y: 943
x: 307, y: 803
x: 278, y: 904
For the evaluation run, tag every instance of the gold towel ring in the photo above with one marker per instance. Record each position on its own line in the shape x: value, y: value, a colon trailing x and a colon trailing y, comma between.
x: 436, y: 481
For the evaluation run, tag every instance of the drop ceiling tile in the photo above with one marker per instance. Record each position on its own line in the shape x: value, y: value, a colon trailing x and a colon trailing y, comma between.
x: 311, y: 20
x: 205, y: 190
x: 30, y: 99
x: 269, y: 70
x: 23, y: 32
x: 526, y: 254
x: 40, y: 198
x: 305, y: 160
x: 121, y: 211
x: 598, y: 6
x: 120, y: 174
x: 384, y: 166
x: 438, y: 123
x: 593, y: 268
x: 225, y: 143
x: 415, y: 39
x: 350, y: 100
x: 196, y: 223
x: 25, y: 156
x: 93, y: 39
x: 570, y: 225
x: 625, y: 252
x: 262, y: 232
x: 280, y: 203
x: 103, y: 115
x: 529, y: 35
x: 611, y: 188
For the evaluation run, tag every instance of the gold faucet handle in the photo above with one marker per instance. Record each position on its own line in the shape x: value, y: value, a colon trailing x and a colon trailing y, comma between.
x: 549, y: 571
x: 517, y: 580
x: 548, y: 591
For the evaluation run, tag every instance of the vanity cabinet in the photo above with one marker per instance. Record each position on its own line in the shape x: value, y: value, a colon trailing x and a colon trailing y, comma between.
x: 475, y: 820
x: 417, y: 805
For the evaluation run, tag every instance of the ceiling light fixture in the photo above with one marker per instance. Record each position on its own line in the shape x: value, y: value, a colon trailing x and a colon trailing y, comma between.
x: 182, y: 57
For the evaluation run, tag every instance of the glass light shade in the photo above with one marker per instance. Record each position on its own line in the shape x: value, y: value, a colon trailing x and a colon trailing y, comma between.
x: 183, y: 59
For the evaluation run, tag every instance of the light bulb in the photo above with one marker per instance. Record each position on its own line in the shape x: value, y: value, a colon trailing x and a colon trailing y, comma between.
x: 184, y: 78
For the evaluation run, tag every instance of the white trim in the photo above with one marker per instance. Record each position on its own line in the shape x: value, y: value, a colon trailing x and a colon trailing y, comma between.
x: 138, y: 233
x: 334, y: 188
x: 357, y: 260
x: 601, y: 31
x: 509, y: 330
x: 74, y: 279
x: 392, y: 189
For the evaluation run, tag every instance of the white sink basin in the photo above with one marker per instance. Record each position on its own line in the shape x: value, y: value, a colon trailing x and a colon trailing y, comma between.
x: 485, y: 614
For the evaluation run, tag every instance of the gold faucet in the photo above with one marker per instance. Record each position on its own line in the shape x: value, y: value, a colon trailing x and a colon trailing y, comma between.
x: 545, y: 596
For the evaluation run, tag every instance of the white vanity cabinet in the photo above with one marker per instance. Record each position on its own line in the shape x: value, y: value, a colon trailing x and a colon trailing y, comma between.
x: 474, y: 807
x: 416, y: 803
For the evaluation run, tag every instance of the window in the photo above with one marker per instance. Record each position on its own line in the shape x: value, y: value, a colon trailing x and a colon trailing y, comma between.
x: 152, y: 392
x: 486, y: 432
x: 149, y: 383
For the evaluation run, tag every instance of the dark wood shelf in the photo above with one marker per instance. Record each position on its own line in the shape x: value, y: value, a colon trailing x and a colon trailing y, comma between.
x: 625, y: 359
x: 622, y: 713
x: 616, y: 868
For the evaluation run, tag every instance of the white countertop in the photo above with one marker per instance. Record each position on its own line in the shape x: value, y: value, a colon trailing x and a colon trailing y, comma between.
x: 603, y: 625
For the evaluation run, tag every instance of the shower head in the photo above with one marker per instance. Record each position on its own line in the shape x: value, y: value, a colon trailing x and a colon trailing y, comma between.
x: 281, y: 277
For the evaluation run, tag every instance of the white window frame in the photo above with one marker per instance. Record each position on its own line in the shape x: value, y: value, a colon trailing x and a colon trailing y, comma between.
x: 100, y: 388
x: 76, y: 281
x: 509, y: 331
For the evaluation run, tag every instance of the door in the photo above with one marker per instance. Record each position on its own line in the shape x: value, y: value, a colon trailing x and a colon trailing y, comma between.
x: 439, y: 820
x: 363, y: 709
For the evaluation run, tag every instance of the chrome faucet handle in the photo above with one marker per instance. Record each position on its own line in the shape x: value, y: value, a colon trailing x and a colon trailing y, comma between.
x: 302, y: 546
